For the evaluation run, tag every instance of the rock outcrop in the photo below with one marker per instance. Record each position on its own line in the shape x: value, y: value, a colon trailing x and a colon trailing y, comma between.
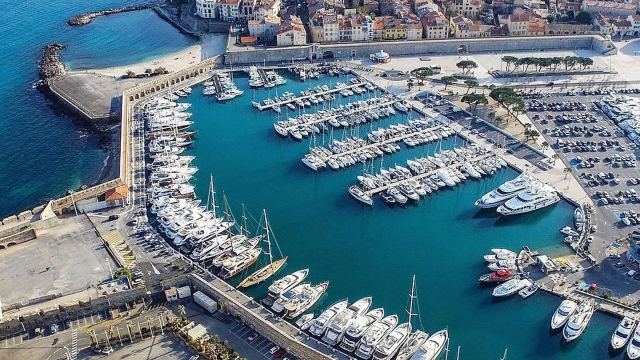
x: 50, y: 65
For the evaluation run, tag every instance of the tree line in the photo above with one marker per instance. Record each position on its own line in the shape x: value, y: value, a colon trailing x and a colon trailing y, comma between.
x: 549, y: 63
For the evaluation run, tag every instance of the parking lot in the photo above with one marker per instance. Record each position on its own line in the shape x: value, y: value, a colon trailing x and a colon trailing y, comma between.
x: 484, y: 130
x: 50, y: 264
x: 595, y: 149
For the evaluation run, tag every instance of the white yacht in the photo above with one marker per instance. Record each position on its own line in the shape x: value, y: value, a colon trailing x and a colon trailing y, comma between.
x: 500, y: 254
x: 445, y: 176
x: 389, y: 346
x: 338, y: 326
x: 504, y: 192
x: 578, y: 321
x: 511, y: 287
x: 374, y: 335
x: 414, y: 342
x: 286, y: 283
x: 562, y: 314
x: 307, y: 298
x: 633, y: 349
x: 360, y: 195
x: 503, y: 265
x: 433, y: 347
x: 531, y: 199
x: 358, y: 328
x: 320, y: 324
x: 623, y: 332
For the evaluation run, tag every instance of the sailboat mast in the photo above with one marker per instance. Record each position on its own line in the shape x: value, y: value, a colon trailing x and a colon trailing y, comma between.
x: 244, y: 228
x: 212, y: 196
x: 411, y: 296
x: 266, y: 228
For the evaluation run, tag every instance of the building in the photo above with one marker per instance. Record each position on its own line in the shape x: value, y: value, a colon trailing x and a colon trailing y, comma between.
x: 423, y: 7
x: 207, y: 9
x: 610, y: 7
x: 264, y: 30
x: 435, y: 25
x: 229, y: 10
x: 523, y: 22
x: 171, y: 294
x: 291, y: 33
x: 414, y: 30
x: 380, y: 57
x: 460, y: 26
x: 394, y: 29
x: 468, y: 8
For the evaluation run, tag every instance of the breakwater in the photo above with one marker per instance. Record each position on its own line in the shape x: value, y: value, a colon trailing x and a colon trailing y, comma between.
x: 50, y: 65
x: 85, y: 18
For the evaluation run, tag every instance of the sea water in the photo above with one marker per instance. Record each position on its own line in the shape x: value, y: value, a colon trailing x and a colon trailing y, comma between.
x: 362, y: 251
x: 44, y: 154
x: 374, y: 251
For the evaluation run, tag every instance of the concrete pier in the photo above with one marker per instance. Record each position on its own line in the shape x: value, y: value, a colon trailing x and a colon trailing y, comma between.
x: 262, y: 107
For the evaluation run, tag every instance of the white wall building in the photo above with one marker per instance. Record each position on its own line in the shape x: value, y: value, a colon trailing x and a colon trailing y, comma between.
x: 207, y: 9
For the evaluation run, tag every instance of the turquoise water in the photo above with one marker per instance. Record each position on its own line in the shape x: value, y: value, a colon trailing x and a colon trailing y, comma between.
x: 374, y: 251
x: 362, y: 251
x: 43, y: 154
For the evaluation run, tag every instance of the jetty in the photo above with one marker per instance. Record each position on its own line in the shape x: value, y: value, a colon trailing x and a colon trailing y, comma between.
x: 284, y: 102
x: 427, y: 174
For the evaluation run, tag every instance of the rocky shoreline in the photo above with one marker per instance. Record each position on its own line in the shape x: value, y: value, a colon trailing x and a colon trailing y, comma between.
x: 85, y: 18
x: 50, y: 65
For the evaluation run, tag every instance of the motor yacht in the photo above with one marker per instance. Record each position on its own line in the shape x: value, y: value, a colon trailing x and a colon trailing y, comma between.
x: 303, y: 302
x: 531, y: 199
x: 433, y: 347
x: 633, y: 349
x: 578, y: 322
x: 360, y: 195
x: 511, y: 287
x: 623, y: 332
x: 499, y: 276
x: 320, y: 324
x: 389, y: 346
x: 338, y: 326
x: 504, y: 192
x: 374, y: 335
x: 283, y: 284
x: 414, y: 342
x: 563, y: 312
x: 358, y: 327
x: 236, y: 264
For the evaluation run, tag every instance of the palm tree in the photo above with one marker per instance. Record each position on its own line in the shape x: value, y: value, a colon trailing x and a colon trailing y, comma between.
x: 182, y: 311
x: 544, y: 145
x: 566, y: 171
x: 555, y: 157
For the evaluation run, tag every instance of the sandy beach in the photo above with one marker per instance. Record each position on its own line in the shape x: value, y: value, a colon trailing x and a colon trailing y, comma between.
x: 210, y: 45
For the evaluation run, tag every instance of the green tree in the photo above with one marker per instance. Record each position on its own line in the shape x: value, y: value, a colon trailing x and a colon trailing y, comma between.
x: 509, y: 60
x: 466, y: 66
x: 470, y: 84
x: 448, y: 80
x: 584, y: 17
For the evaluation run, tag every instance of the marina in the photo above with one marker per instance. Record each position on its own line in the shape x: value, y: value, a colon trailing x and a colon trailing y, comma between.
x: 256, y: 127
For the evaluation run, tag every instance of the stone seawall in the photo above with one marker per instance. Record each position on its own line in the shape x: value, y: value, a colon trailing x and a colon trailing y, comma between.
x: 423, y: 47
x: 85, y: 18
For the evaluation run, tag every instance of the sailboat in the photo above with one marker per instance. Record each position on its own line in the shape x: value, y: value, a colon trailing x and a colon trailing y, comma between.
x: 416, y: 339
x: 268, y: 270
